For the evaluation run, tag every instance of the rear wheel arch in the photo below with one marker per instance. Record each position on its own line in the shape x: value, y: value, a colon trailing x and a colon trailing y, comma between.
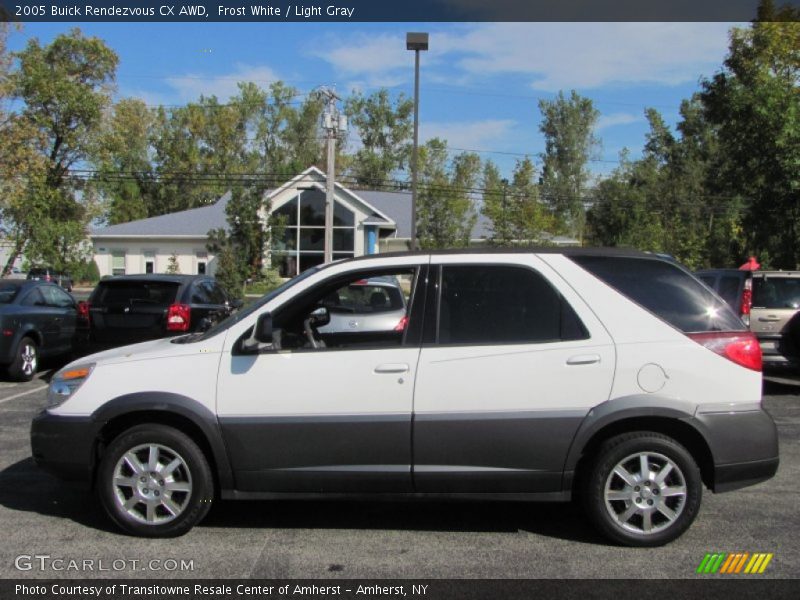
x: 679, y: 430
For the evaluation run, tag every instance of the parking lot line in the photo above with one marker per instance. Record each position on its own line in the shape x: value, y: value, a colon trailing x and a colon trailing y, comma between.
x: 21, y: 394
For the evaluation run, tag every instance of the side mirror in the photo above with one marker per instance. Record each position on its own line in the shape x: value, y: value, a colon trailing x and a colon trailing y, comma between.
x: 320, y: 317
x: 261, y: 338
x: 263, y: 330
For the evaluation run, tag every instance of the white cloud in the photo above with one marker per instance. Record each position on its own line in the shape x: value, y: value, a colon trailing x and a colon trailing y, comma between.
x: 471, y: 135
x: 191, y: 85
x: 614, y: 119
x: 552, y: 56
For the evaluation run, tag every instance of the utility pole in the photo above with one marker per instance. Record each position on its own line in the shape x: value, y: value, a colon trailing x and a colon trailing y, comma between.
x: 334, y: 124
x: 416, y: 42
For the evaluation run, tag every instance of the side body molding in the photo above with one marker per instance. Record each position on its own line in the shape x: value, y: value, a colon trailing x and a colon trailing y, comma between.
x: 199, y: 415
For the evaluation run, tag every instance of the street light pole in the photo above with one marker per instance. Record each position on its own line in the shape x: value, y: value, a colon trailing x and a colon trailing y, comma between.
x: 416, y: 42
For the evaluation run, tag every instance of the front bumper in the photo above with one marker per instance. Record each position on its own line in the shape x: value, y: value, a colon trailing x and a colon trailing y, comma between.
x: 64, y: 446
x: 744, y: 447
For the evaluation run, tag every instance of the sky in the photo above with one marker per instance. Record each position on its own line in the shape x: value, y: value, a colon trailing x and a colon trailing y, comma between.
x: 480, y: 82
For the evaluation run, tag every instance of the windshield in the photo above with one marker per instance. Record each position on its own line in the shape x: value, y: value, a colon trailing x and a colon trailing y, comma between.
x: 246, y: 311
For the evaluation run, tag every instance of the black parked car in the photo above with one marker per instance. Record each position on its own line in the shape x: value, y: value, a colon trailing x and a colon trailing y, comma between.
x: 47, y: 274
x: 37, y: 320
x: 128, y: 309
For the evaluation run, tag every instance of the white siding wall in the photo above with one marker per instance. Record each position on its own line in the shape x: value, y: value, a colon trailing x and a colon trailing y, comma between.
x: 135, y: 249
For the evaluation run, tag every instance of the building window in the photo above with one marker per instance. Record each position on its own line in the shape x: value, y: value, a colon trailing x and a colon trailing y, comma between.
x: 149, y: 261
x: 302, y: 244
x: 118, y: 262
x: 202, y: 261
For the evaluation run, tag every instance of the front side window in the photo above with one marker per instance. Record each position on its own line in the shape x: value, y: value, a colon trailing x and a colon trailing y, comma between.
x: 367, y: 310
x: 497, y: 304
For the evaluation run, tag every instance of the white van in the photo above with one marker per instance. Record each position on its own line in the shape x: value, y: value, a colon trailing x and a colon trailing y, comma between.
x: 528, y: 375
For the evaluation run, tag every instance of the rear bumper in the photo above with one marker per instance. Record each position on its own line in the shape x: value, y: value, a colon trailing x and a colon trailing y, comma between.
x: 744, y: 446
x: 64, y: 446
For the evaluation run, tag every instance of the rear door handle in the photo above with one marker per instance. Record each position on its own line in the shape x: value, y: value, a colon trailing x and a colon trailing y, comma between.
x: 584, y: 359
x: 392, y: 368
x: 769, y: 319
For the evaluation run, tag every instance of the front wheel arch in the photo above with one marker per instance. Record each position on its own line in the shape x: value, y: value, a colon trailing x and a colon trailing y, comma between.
x: 118, y: 425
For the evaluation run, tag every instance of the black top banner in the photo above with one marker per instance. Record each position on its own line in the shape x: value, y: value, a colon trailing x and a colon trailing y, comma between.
x: 381, y: 10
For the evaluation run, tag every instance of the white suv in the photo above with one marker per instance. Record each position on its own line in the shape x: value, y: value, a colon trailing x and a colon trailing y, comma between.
x: 525, y: 375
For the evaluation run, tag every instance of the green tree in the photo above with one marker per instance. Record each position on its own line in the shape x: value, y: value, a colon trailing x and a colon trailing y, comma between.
x: 495, y: 204
x: 125, y: 172
x: 173, y: 268
x: 568, y: 128
x: 529, y: 217
x: 754, y: 102
x: 241, y: 247
x: 384, y: 130
x: 445, y: 210
x: 65, y: 87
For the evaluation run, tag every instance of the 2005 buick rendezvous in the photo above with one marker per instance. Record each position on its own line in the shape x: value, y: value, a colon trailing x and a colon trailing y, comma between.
x: 610, y: 375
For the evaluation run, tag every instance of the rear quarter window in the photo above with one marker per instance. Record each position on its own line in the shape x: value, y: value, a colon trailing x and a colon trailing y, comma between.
x: 665, y: 290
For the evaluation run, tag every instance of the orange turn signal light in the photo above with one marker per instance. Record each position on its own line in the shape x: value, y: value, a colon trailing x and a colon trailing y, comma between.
x: 76, y: 373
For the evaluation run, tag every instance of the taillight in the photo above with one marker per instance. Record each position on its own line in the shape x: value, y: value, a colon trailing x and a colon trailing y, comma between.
x: 178, y: 317
x: 740, y: 347
x: 402, y: 324
x: 747, y: 301
x: 83, y: 310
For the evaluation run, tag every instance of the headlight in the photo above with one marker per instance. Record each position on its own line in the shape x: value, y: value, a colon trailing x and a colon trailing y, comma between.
x: 66, y: 382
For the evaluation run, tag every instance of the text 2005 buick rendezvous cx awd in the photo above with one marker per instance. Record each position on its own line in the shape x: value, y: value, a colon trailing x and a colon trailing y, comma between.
x: 613, y: 376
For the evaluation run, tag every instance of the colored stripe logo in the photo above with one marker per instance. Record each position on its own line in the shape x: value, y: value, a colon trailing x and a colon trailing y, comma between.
x: 734, y: 563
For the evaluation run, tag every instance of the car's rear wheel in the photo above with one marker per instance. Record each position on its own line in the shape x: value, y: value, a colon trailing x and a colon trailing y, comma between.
x: 26, y: 361
x: 154, y: 481
x: 643, y: 489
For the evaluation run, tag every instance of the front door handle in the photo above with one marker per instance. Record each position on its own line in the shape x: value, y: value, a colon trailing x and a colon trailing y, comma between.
x: 392, y: 368
x: 769, y: 319
x: 584, y: 359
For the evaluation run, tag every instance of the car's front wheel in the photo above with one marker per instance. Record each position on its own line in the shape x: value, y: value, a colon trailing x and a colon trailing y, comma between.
x: 26, y: 361
x: 154, y: 481
x: 643, y: 489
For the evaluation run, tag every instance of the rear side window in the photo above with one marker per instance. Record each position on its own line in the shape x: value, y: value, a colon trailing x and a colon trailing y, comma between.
x: 128, y: 292
x: 488, y: 304
x: 729, y: 289
x: 665, y: 290
x: 776, y: 292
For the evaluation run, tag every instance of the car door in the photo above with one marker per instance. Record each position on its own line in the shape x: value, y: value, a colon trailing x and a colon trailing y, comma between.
x: 64, y: 315
x: 511, y: 363
x: 326, y: 419
x: 43, y: 318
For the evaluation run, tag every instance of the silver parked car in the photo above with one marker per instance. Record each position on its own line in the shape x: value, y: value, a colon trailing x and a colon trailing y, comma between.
x: 368, y: 306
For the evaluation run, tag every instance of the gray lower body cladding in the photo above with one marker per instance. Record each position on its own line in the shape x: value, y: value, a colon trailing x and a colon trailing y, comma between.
x: 460, y: 453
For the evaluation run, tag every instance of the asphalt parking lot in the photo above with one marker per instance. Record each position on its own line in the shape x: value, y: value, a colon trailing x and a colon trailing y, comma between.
x: 39, y: 516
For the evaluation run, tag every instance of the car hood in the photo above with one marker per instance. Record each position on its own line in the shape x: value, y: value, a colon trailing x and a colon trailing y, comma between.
x: 155, y: 349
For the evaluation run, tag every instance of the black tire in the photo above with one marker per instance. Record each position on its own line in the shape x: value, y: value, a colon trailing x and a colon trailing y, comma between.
x: 194, y: 473
x: 26, y: 360
x: 651, y: 499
